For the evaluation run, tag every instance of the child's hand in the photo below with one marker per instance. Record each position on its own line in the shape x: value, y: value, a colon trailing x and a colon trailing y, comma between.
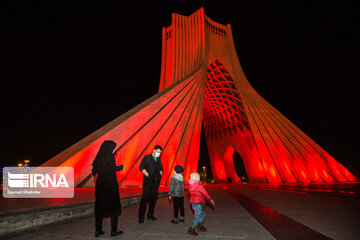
x: 169, y: 198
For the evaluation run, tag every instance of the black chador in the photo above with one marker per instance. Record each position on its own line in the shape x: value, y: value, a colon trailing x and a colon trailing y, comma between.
x: 107, y: 199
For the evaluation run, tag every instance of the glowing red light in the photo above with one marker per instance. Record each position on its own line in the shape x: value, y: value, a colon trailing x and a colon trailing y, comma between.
x: 202, y: 84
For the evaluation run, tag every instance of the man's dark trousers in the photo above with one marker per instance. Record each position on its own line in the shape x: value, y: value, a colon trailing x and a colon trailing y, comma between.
x: 99, y: 220
x: 149, y: 195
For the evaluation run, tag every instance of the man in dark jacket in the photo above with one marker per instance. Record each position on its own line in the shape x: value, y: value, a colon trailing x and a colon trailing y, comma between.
x: 152, y: 170
x: 107, y: 199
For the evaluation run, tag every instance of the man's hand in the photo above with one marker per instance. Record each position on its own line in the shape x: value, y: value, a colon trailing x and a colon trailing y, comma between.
x: 145, y: 173
x: 169, y: 198
x: 161, y: 172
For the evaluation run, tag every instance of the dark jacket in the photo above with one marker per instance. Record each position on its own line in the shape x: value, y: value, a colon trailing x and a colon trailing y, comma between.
x: 107, y: 199
x: 153, y: 168
x: 176, y: 188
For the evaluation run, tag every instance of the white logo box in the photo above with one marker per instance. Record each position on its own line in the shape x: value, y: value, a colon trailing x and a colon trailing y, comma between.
x: 38, y: 182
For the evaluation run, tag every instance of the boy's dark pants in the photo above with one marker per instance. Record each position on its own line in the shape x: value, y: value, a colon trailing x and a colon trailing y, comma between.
x: 178, y: 204
x: 149, y: 195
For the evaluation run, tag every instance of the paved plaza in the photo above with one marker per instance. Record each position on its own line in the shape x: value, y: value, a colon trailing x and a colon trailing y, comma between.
x: 243, y: 211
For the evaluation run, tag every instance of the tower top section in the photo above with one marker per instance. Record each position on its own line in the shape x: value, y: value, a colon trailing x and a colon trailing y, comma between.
x: 189, y: 43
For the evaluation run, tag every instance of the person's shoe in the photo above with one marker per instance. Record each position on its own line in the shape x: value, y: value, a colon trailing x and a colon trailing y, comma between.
x: 98, y: 233
x: 141, y: 220
x: 181, y: 220
x: 191, y: 231
x: 116, y: 233
x: 174, y: 221
x: 201, y: 228
x: 151, y: 217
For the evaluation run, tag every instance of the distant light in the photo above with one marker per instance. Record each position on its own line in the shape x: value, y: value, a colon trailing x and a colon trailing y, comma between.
x: 20, y: 164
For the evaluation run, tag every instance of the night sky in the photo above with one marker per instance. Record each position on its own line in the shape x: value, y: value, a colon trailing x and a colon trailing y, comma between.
x: 69, y: 69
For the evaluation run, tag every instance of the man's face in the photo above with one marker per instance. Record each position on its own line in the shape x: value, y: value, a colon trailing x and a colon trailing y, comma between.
x: 158, y: 151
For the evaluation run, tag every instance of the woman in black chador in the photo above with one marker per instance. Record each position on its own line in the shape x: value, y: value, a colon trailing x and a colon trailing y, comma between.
x: 107, y: 199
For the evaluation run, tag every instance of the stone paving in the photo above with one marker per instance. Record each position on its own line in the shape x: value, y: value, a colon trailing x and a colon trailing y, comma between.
x: 229, y: 219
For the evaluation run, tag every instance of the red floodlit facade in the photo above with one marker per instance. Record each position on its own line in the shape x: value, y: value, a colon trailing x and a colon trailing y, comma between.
x: 202, y: 85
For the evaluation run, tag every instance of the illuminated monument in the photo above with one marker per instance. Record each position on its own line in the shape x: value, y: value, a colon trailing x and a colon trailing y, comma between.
x: 202, y: 85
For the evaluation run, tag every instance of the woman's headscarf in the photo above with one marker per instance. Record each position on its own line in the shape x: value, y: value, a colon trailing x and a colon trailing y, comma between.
x: 104, y: 155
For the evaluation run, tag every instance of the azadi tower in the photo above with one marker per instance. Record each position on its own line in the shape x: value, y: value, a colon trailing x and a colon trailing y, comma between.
x: 202, y: 85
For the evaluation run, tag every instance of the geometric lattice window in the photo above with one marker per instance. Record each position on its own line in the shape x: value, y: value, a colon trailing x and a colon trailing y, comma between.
x: 223, y: 109
x: 216, y: 30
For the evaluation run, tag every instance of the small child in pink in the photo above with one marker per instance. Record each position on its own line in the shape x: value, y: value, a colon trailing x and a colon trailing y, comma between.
x: 198, y: 197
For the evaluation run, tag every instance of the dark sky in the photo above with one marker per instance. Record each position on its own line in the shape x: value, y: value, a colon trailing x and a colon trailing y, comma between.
x: 68, y: 69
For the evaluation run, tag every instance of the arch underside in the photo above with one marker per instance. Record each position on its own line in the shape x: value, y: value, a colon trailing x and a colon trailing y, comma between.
x: 272, y: 158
